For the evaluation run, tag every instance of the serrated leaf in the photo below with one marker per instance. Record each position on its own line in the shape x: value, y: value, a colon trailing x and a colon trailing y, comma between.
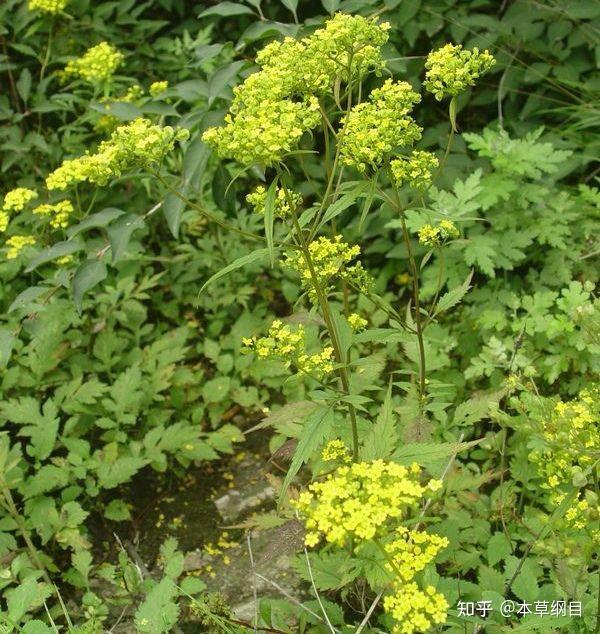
x: 317, y: 427
x: 7, y: 342
x: 159, y: 612
x: 383, y: 436
x: 453, y: 297
x: 430, y: 454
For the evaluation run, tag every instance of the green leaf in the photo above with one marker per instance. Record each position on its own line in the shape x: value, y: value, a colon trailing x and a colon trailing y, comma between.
x: 453, y: 297
x: 226, y: 9
x: 329, y: 570
x: 224, y: 190
x: 498, y: 548
x: 259, y: 254
x: 100, y: 219
x: 117, y: 511
x: 270, y: 219
x: 7, y: 342
x: 21, y: 599
x: 36, y: 627
x: 430, y: 454
x: 27, y: 298
x: 215, y: 390
x: 292, y: 5
x: 172, y: 209
x: 120, y: 231
x: 90, y: 273
x: 55, y: 251
x: 317, y: 427
x: 24, y: 84
x: 383, y: 436
x: 159, y: 612
x: 221, y: 78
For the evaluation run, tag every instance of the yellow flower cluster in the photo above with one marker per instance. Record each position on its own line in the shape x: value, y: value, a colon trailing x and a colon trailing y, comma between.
x: 415, y: 610
x: 108, y: 122
x: 158, y: 87
x: 289, y: 345
x: 136, y: 144
x: 355, y: 501
x: 572, y: 436
x: 275, y: 106
x: 330, y: 258
x: 263, y: 135
x: 97, y: 65
x: 357, y: 323
x: 258, y: 198
x: 412, y: 551
x: 59, y: 211
x: 335, y: 450
x: 48, y: 6
x: 431, y: 236
x: 452, y: 69
x: 16, y: 199
x: 415, y: 169
x: 373, y: 130
x: 16, y: 244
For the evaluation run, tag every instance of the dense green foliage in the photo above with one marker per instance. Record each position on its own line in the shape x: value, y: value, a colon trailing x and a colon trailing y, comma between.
x: 135, y: 320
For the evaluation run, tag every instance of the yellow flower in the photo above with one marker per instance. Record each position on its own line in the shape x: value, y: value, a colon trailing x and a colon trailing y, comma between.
x: 4, y: 218
x: 135, y: 144
x: 289, y: 345
x: 373, y: 130
x: 59, y: 211
x: 258, y: 197
x: 16, y: 199
x: 48, y: 6
x: 16, y: 244
x: 451, y: 69
x: 356, y: 501
x: 97, y: 65
x: 64, y: 260
x: 415, y: 169
x: 158, y: 87
x: 335, y: 450
x: 415, y: 610
x: 357, y: 323
x: 412, y: 551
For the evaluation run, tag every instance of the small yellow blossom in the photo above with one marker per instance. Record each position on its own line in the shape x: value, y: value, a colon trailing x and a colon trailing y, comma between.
x: 373, y: 130
x: 357, y: 323
x: 414, y: 170
x: 452, y: 69
x: 136, y: 144
x: 411, y: 551
x: 431, y: 236
x: 59, y: 213
x: 16, y: 199
x: 4, y: 218
x: 258, y: 198
x: 329, y: 259
x: 97, y: 65
x: 158, y: 87
x: 356, y: 501
x: 289, y: 345
x: 415, y: 610
x: 335, y: 450
x: 64, y: 260
x: 16, y: 244
x: 48, y: 6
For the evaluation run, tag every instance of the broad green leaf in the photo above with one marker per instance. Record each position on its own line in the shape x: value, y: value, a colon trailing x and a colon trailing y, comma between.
x: 172, y: 209
x: 226, y: 9
x: 90, y: 273
x: 27, y: 298
x: 55, y: 251
x: 100, y: 219
x: 430, y: 454
x: 119, y: 233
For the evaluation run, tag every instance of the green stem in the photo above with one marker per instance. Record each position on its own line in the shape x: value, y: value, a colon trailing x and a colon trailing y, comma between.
x: 333, y: 334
